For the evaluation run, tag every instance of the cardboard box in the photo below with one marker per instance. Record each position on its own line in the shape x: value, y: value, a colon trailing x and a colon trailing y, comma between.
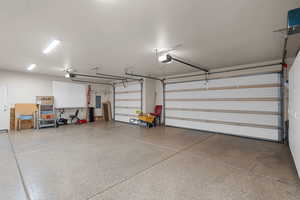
x: 48, y: 116
x: 27, y: 124
x: 45, y: 100
x: 98, y: 118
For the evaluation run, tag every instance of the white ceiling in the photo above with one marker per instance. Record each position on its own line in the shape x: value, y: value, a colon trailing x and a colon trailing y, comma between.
x: 117, y: 34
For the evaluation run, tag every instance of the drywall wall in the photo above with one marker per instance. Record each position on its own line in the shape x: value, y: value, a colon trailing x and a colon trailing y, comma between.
x: 149, y: 95
x: 159, y: 99
x: 294, y: 111
x: 106, y: 94
x: 24, y: 87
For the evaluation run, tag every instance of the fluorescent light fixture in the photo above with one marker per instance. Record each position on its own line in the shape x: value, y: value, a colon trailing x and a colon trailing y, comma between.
x: 31, y: 67
x: 165, y: 58
x: 51, y: 46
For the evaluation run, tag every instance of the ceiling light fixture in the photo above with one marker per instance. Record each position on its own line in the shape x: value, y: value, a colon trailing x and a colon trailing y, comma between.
x: 31, y: 67
x: 51, y: 46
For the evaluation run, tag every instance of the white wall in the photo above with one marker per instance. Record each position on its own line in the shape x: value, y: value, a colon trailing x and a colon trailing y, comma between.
x: 159, y: 93
x: 294, y: 111
x: 159, y: 100
x: 149, y: 95
x: 106, y: 95
x: 24, y: 87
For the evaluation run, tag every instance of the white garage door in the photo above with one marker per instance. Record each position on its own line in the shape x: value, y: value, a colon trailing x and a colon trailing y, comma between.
x: 245, y: 106
x: 127, y: 101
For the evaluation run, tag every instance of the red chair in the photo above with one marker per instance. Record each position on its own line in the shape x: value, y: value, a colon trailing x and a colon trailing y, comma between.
x: 157, y: 112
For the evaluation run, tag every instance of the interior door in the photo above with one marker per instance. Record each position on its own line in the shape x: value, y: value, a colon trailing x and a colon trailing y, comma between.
x: 4, y: 112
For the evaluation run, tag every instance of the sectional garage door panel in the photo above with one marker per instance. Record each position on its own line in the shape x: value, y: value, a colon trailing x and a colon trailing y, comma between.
x: 266, y: 106
x: 127, y: 100
x: 245, y: 106
x: 236, y: 81
x: 271, y: 120
x: 236, y: 93
x: 135, y: 95
x: 267, y: 134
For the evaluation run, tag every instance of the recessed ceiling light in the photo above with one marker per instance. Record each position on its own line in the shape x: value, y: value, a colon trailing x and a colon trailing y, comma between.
x: 51, y: 46
x: 31, y: 67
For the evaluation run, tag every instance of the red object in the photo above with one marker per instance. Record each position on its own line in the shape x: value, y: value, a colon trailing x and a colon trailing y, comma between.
x: 82, y: 121
x: 157, y: 112
x: 285, y: 65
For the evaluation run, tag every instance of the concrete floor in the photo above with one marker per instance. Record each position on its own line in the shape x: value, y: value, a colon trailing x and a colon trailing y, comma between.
x: 114, y: 161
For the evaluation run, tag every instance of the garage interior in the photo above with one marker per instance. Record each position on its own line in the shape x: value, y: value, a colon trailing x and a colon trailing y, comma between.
x: 172, y: 100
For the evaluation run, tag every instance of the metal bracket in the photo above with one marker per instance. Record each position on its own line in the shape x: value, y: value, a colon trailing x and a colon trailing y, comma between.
x: 206, y: 78
x: 123, y: 82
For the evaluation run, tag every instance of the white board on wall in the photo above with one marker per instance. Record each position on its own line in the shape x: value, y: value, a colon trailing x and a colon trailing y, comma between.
x: 69, y: 95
